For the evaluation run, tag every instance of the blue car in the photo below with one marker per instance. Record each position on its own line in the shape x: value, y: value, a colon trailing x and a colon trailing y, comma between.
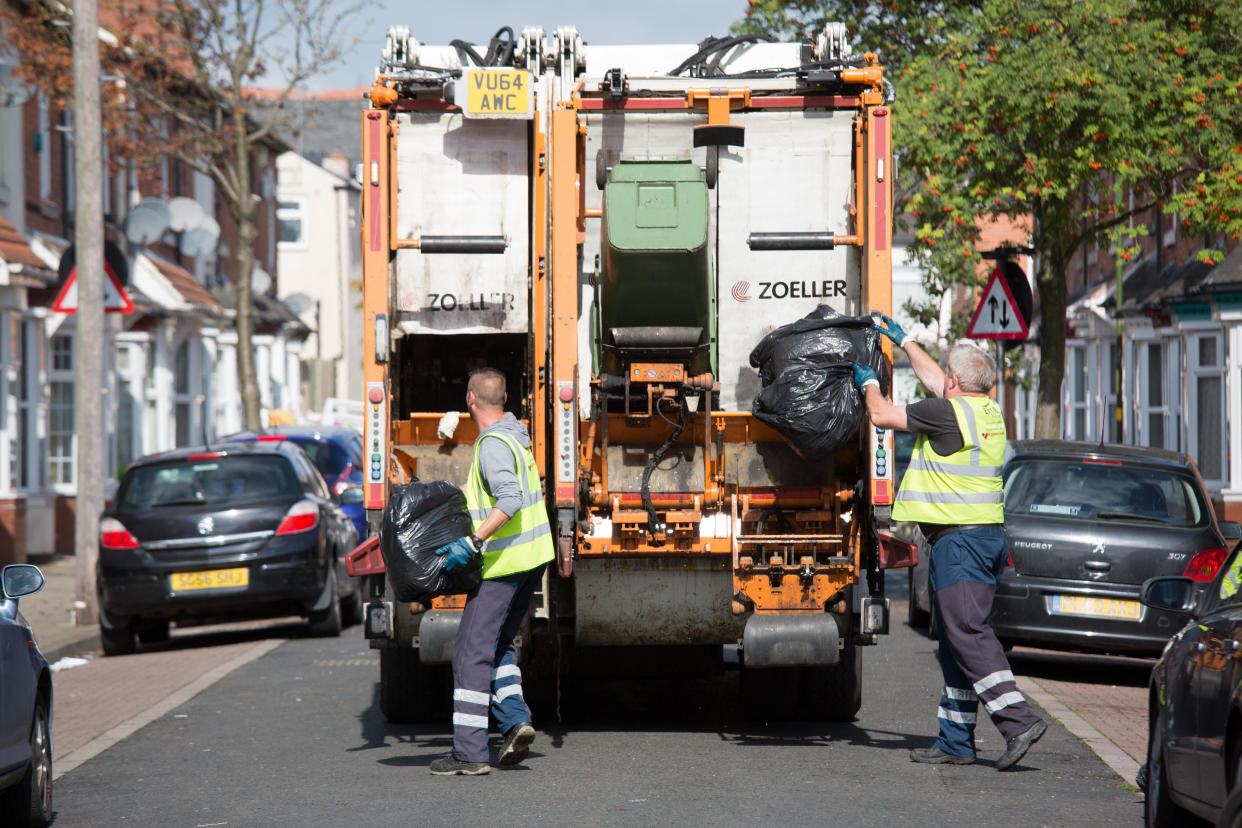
x: 26, y: 712
x: 337, y: 452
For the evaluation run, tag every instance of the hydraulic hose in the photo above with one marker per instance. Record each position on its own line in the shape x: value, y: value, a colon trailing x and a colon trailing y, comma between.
x: 656, y: 457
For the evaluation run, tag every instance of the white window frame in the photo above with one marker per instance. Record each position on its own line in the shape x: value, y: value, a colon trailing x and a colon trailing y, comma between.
x: 1143, y: 408
x: 45, y: 147
x: 1194, y: 372
x: 62, y: 466
x: 1069, y: 405
x: 189, y: 397
x: 295, y: 211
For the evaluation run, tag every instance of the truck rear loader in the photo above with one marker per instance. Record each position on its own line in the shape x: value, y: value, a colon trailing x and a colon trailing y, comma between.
x: 615, y: 228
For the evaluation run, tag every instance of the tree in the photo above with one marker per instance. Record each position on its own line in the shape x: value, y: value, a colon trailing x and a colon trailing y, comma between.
x: 186, y: 75
x: 1055, y: 111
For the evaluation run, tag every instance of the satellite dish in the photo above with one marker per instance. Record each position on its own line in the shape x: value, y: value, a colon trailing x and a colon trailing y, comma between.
x: 186, y: 214
x: 147, y: 222
x: 299, y: 303
x: 260, y: 280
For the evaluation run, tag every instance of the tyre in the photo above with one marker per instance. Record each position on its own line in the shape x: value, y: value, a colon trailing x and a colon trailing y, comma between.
x: 116, y: 636
x: 153, y: 632
x: 29, y: 802
x: 770, y: 694
x: 327, y: 623
x: 1160, y: 811
x: 351, y: 607
x: 918, y: 617
x: 411, y: 691
x: 833, y: 694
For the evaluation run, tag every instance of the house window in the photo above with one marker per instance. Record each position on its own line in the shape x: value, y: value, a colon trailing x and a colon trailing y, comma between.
x: 1076, y: 393
x: 290, y: 223
x: 60, y: 431
x: 1207, y: 404
x: 182, y: 408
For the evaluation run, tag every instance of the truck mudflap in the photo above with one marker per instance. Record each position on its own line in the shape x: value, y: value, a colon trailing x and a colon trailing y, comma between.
x: 791, y: 640
x: 436, y: 634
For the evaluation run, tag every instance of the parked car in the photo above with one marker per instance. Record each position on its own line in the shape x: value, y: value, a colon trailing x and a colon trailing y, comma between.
x: 336, y: 451
x: 1194, y: 719
x: 232, y: 530
x: 1087, y: 525
x: 25, y: 708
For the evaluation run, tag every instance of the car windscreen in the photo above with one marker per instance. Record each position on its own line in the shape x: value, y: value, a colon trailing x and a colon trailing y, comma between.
x: 1103, y: 490
x: 329, y: 458
x: 207, y: 481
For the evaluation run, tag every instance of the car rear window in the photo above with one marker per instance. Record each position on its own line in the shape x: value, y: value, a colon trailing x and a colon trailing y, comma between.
x: 329, y: 458
x: 209, y: 480
x: 1103, y: 490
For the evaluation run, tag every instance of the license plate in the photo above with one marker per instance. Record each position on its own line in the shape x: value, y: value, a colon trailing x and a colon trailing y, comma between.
x: 210, y: 579
x: 1096, y: 607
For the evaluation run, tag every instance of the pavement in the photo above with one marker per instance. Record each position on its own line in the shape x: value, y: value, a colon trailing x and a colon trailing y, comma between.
x: 51, y: 612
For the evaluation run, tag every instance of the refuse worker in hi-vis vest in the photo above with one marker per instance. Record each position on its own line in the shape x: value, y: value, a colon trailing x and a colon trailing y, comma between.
x: 511, y: 529
x: 953, y: 489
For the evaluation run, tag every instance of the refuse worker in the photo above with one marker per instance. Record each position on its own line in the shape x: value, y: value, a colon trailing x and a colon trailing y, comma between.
x: 953, y: 489
x: 510, y: 522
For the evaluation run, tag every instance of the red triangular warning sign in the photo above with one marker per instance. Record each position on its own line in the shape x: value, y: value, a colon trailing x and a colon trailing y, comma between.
x: 997, y: 315
x: 116, y: 299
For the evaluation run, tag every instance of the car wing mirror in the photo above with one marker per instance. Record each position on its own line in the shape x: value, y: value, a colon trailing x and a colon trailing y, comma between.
x: 351, y: 495
x: 1231, y: 530
x: 1173, y: 593
x: 20, y: 580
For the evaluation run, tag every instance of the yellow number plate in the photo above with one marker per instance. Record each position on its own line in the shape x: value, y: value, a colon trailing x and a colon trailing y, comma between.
x: 210, y: 579
x: 1096, y: 607
x: 498, y: 93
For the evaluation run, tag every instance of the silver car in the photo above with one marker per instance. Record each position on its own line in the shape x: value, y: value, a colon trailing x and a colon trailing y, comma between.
x: 25, y: 708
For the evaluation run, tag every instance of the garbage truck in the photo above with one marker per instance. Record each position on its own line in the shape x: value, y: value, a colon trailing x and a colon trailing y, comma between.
x: 615, y: 228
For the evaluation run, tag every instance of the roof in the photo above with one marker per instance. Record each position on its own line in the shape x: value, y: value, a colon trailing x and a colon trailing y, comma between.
x: 24, y: 266
x: 184, y: 283
x: 218, y: 447
x: 1074, y: 448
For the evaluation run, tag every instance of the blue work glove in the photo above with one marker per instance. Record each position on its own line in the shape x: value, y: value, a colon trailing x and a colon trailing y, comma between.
x: 456, y: 554
x: 892, y: 330
x: 864, y: 376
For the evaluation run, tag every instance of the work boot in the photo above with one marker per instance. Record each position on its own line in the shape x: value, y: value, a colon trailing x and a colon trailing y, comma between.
x: 450, y: 765
x: 516, y: 744
x: 1017, y: 747
x: 935, y: 756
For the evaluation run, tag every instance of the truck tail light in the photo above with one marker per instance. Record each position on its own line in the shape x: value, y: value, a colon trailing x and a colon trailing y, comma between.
x: 114, y: 535
x: 1203, y: 566
x: 303, y: 517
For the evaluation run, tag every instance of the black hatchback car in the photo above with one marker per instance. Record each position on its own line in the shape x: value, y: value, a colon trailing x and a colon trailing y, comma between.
x: 1194, y: 747
x: 239, y: 530
x: 1087, y: 525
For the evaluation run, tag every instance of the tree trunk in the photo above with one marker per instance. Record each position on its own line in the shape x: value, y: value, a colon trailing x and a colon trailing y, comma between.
x: 247, y: 232
x: 1051, y: 284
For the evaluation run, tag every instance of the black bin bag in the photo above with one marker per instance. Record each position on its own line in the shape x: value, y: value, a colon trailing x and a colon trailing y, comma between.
x: 418, y: 520
x: 808, y: 392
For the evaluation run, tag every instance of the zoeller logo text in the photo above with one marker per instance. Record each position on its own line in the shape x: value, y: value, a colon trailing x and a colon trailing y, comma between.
x: 822, y: 289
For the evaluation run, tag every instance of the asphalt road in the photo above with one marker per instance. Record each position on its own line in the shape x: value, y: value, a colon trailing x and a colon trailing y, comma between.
x: 296, y: 738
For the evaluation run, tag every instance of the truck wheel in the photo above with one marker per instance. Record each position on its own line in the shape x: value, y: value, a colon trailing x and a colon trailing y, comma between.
x: 769, y: 694
x: 919, y: 617
x: 833, y: 694
x: 411, y: 691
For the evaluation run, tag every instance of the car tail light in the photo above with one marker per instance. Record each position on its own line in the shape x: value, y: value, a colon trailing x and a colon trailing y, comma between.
x: 114, y: 535
x: 270, y: 438
x: 1203, y: 566
x: 205, y: 455
x: 1102, y: 461
x: 303, y: 517
x: 343, y: 482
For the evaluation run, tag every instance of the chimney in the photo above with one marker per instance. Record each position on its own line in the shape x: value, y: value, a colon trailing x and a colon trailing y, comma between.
x: 337, y: 164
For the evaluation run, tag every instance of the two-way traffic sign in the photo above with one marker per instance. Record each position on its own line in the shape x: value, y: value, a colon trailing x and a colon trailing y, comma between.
x: 997, y: 315
x: 116, y: 298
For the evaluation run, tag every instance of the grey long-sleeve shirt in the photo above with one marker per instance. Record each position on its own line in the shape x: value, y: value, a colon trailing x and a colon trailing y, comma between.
x: 498, y: 465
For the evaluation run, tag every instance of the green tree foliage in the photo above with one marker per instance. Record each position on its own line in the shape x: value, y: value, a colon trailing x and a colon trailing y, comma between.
x: 1052, y: 113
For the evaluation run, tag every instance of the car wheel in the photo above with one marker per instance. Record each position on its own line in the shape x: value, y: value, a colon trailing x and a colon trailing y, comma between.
x: 1160, y: 811
x: 918, y: 616
x: 29, y: 802
x: 327, y: 623
x: 116, y: 637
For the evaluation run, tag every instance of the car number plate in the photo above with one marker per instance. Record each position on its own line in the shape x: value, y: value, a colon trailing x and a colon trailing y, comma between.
x: 1096, y: 607
x: 210, y: 579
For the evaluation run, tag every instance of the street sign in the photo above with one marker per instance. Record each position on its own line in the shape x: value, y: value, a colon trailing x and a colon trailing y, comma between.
x: 116, y: 299
x: 997, y: 315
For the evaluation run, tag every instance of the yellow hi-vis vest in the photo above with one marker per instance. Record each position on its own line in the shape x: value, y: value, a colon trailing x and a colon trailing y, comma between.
x: 964, y: 487
x: 525, y: 540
